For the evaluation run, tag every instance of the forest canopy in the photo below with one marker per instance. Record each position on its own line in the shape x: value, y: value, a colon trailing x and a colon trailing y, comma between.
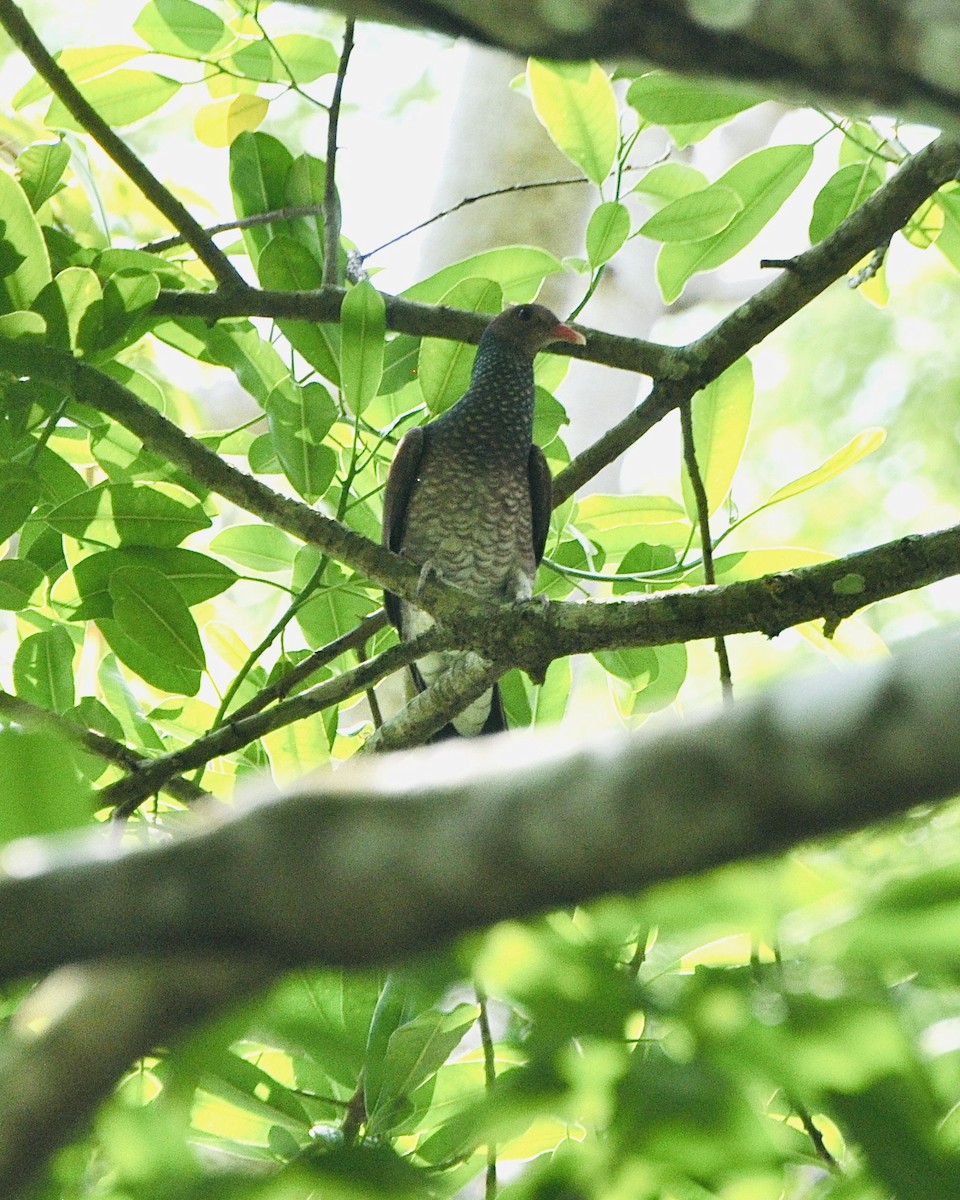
x: 694, y: 934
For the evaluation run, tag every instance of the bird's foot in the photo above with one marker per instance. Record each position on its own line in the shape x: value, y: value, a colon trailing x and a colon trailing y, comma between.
x: 429, y: 572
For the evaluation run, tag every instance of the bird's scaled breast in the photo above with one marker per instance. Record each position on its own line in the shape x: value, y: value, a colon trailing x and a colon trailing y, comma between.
x: 475, y: 532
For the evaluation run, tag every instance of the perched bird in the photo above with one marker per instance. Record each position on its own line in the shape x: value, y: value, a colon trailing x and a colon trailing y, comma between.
x: 469, y: 494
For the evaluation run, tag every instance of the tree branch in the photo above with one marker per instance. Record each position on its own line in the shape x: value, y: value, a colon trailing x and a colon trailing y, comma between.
x: 868, y: 56
x: 440, y: 842
x: 331, y: 200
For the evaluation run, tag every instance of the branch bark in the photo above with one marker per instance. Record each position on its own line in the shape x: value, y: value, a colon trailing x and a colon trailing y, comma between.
x: 852, y: 55
x: 440, y: 841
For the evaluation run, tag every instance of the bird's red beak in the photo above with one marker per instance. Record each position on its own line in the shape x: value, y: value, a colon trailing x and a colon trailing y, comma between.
x: 567, y: 333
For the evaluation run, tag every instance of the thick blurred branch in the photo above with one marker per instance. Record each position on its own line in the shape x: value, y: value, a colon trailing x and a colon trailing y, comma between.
x: 391, y: 855
x: 860, y: 55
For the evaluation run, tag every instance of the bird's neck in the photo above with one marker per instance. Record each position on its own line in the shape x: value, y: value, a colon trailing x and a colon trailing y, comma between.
x: 499, y: 401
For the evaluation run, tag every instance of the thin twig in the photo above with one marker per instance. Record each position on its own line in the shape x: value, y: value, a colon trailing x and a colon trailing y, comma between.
x: 490, y: 1078
x: 331, y: 200
x: 294, y: 212
x: 24, y: 713
x: 703, y: 521
x: 22, y: 34
x: 126, y: 795
x: 282, y: 687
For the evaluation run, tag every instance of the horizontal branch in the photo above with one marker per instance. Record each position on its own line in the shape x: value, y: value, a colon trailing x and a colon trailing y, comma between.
x: 409, y: 316
x: 390, y: 856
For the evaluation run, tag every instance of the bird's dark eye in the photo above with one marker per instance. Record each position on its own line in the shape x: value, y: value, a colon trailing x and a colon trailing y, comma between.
x: 524, y: 312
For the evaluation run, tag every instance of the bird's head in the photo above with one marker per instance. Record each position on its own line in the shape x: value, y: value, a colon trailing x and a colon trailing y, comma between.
x: 530, y: 327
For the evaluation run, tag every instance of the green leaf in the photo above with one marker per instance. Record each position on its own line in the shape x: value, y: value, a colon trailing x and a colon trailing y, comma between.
x: 415, y: 1052
x: 859, y: 446
x: 520, y: 271
x: 41, y: 167
x: 607, y: 230
x: 259, y: 165
x: 611, y: 521
x: 130, y: 514
x: 299, y: 419
x: 72, y: 307
x: 181, y: 27
x: 127, y: 295
x: 444, y: 366
x: 362, y: 328
x: 669, y: 181
x: 721, y: 418
x: 41, y: 788
x: 19, y: 580
x: 80, y: 63
x: 257, y: 547
x: 152, y: 668
x: 151, y: 612
x: 843, y: 192
x: 337, y: 605
x: 22, y: 324
x: 286, y: 265
x: 255, y: 60
x: 576, y: 105
x: 693, y: 217
x: 43, y: 669
x: 664, y: 99
x: 20, y: 236
x: 763, y: 181
x: 120, y: 98
x: 297, y: 56
x: 19, y: 492
x: 306, y: 185
x: 84, y: 594
x: 307, y: 57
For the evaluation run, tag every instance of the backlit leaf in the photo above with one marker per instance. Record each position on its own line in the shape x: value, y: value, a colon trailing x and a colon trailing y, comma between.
x: 577, y: 107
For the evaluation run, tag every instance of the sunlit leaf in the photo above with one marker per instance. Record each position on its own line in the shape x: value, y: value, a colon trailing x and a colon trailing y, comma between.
x: 41, y: 788
x: 721, y: 418
x: 607, y: 230
x: 362, y: 329
x: 41, y: 167
x: 257, y: 547
x: 130, y: 514
x: 120, y: 98
x: 80, y: 63
x: 22, y: 248
x: 519, y: 270
x: 695, y: 216
x: 843, y: 192
x: 43, y: 669
x: 577, y: 107
x: 181, y: 27
x: 859, y: 446
x: 220, y: 122
x: 763, y: 181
